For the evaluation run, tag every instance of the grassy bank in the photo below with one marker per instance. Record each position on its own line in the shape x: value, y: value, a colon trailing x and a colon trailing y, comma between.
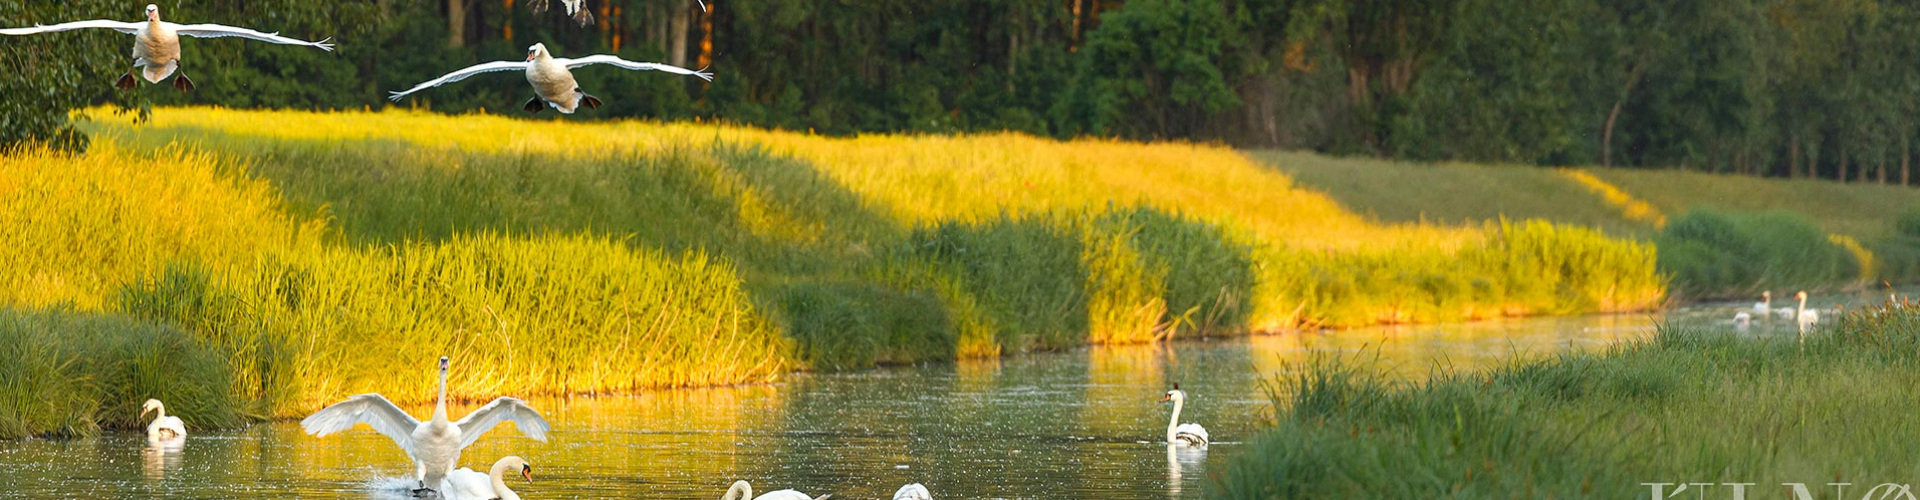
x: 64, y: 373
x: 1735, y: 235
x: 1685, y: 406
x: 327, y: 258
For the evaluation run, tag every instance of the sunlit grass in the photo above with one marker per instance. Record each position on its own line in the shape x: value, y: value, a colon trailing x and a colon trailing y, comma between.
x: 70, y: 374
x: 1688, y: 405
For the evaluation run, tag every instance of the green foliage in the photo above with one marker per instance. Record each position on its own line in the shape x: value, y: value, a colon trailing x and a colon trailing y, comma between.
x: 1595, y: 424
x: 1152, y: 69
x: 70, y: 374
x: 1711, y: 253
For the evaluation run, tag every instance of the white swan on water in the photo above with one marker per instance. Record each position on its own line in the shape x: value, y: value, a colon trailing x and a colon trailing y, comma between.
x: 164, y: 427
x: 742, y: 491
x: 156, y: 45
x: 465, y: 483
x: 1765, y: 305
x: 1806, y: 318
x: 1741, y: 320
x: 433, y: 445
x: 551, y: 77
x: 1178, y: 433
x: 913, y: 491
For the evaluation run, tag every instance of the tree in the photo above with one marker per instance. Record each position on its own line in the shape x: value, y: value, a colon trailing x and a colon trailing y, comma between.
x: 1152, y: 69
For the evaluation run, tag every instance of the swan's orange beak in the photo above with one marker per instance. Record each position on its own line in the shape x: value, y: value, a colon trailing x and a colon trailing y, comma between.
x: 526, y: 471
x: 145, y: 411
x: 1166, y: 398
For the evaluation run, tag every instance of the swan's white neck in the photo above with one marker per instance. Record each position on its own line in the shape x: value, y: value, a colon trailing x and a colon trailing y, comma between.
x: 498, y: 476
x: 440, y: 409
x: 1802, y: 309
x: 739, y: 491
x: 1175, y: 421
x: 159, y: 411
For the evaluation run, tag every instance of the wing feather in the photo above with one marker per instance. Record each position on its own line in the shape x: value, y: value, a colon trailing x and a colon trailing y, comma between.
x: 633, y: 65
x: 218, y: 31
x: 371, y: 409
x: 502, y: 410
x: 462, y: 74
x: 123, y: 27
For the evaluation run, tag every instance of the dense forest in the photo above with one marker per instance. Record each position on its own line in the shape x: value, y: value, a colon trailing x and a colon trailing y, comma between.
x: 1824, y: 88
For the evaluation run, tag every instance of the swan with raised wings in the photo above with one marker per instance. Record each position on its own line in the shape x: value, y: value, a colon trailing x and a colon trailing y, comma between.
x: 551, y: 77
x: 434, y: 445
x: 156, y: 45
x: 164, y: 427
x: 466, y: 483
x: 743, y: 491
x: 1178, y: 433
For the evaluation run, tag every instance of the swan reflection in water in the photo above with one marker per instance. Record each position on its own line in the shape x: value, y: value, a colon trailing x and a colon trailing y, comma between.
x: 1180, y: 458
x: 160, y: 456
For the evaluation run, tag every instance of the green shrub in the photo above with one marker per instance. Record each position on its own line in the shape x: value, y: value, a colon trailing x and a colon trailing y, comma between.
x: 1718, y: 254
x: 71, y: 374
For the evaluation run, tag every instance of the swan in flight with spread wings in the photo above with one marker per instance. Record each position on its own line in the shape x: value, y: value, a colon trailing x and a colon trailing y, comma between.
x: 156, y: 45
x: 433, y: 445
x: 743, y: 491
x: 582, y: 15
x: 552, y: 78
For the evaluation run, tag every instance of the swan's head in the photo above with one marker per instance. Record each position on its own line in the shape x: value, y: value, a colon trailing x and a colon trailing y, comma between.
x: 151, y: 405
x: 1802, y: 296
x: 153, y: 12
x: 537, y: 51
x: 1766, y: 295
x: 1175, y: 395
x: 443, y: 364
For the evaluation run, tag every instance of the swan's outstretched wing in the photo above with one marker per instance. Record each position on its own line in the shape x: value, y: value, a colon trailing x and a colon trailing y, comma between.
x: 637, y: 66
x: 218, y: 31
x: 789, y: 495
x: 462, y: 74
x: 502, y: 410
x: 371, y: 409
x: 913, y: 492
x: 122, y: 27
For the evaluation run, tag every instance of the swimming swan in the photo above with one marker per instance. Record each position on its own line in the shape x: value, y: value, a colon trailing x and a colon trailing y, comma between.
x: 741, y: 491
x: 551, y: 77
x: 156, y: 46
x: 1183, y: 434
x: 433, y: 445
x: 465, y: 483
x: 1765, y: 305
x: 913, y: 492
x: 164, y: 427
x: 1806, y: 318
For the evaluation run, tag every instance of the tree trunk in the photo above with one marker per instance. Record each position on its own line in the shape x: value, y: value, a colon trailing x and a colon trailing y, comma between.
x: 1606, y: 133
x: 1880, y: 169
x: 677, y: 33
x: 457, y: 23
x: 1842, y: 174
x: 1793, y: 155
x: 1906, y: 167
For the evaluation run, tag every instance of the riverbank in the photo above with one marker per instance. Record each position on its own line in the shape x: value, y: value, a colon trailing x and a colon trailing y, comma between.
x: 321, y: 260
x: 1686, y: 406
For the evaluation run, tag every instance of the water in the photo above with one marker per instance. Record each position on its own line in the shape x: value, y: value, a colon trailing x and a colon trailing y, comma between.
x: 1085, y: 423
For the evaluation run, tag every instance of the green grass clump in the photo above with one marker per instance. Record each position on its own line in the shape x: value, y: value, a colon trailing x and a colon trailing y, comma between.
x: 1687, y: 405
x: 71, y: 374
x: 1715, y: 254
x: 1899, y: 252
x: 523, y: 316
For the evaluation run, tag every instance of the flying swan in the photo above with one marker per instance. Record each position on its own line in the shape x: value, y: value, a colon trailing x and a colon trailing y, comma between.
x: 742, y: 491
x: 465, y: 483
x: 433, y: 445
x: 164, y: 427
x: 156, y: 45
x: 1178, y: 433
x: 552, y: 78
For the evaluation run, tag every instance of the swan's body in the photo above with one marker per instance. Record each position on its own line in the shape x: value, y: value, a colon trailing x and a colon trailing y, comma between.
x: 1741, y: 320
x: 465, y: 483
x: 1765, y: 305
x: 156, y: 45
x: 742, y: 491
x: 551, y: 77
x: 164, y: 428
x: 913, y: 491
x: 1178, y: 433
x: 1804, y: 317
x: 433, y: 445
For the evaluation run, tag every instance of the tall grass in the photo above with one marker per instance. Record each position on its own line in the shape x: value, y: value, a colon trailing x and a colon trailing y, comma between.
x: 1685, y: 406
x: 1719, y: 254
x: 64, y: 373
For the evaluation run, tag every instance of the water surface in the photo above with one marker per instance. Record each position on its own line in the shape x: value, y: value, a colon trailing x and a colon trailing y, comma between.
x: 1085, y: 423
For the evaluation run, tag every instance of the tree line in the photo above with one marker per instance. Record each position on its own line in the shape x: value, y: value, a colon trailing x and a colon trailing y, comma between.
x: 1791, y: 88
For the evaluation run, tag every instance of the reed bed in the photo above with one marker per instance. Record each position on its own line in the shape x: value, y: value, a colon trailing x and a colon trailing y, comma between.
x: 72, y: 374
x: 1688, y: 405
